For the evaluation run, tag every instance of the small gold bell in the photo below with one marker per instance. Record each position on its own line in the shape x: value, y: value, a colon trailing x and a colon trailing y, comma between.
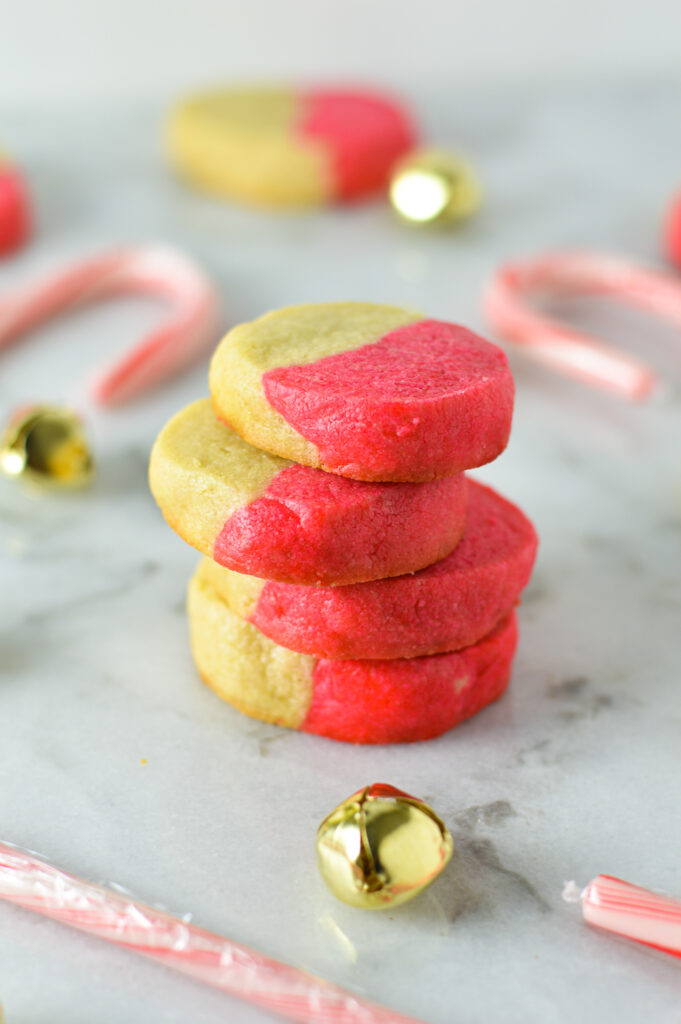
x: 435, y: 187
x: 46, y: 445
x: 381, y: 847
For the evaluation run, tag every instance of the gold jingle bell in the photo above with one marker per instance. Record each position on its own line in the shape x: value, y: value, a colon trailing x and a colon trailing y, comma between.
x: 433, y: 186
x: 46, y: 445
x: 381, y: 847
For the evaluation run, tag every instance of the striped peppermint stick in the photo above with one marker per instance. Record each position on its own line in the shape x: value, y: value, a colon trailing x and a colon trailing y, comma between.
x: 633, y: 913
x: 589, y: 359
x: 185, y: 334
x: 226, y: 965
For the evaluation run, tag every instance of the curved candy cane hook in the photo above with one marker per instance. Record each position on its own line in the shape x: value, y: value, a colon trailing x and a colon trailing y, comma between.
x: 181, y: 338
x: 576, y: 353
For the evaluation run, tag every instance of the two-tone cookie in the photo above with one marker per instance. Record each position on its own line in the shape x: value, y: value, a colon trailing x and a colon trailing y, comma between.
x: 259, y: 514
x: 447, y: 606
x: 397, y: 701
x: 365, y: 391
x: 288, y: 147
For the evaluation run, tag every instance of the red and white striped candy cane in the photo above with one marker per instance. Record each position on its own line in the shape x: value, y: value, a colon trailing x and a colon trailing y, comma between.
x: 32, y: 883
x: 633, y: 913
x: 182, y: 337
x: 589, y: 359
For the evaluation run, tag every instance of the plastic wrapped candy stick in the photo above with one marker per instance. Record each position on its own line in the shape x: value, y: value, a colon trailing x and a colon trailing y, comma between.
x: 575, y: 353
x: 291, y: 993
x: 631, y: 912
x: 183, y: 336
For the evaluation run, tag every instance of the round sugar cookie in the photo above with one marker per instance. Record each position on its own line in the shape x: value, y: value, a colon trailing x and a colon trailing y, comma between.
x: 366, y: 391
x: 15, y: 216
x: 259, y: 514
x: 450, y: 605
x: 397, y: 701
x: 288, y: 147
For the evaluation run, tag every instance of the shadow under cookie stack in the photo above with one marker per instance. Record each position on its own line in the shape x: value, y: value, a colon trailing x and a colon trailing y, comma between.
x: 356, y: 583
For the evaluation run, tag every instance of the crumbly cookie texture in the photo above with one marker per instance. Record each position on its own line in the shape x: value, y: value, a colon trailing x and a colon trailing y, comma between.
x: 246, y: 669
x: 396, y: 701
x: 201, y: 472
x: 447, y: 606
x: 366, y: 391
x: 265, y: 516
x: 293, y: 336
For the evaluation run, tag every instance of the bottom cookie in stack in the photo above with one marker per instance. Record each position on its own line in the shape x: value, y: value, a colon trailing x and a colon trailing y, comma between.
x: 393, y: 701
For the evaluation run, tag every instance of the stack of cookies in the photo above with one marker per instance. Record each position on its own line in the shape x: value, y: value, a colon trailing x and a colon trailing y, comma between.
x: 356, y: 584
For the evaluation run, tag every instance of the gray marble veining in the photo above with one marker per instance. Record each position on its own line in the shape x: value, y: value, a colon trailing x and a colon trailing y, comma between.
x: 575, y: 771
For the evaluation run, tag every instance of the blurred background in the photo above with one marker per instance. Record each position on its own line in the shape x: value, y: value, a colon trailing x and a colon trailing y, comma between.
x: 76, y: 51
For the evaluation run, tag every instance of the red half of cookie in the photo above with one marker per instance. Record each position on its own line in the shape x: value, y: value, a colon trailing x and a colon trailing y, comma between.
x: 15, y: 218
x: 410, y: 699
x: 364, y: 133
x: 311, y: 527
x: 327, y: 385
x: 398, y: 701
x: 449, y: 605
x: 425, y: 400
x: 261, y: 515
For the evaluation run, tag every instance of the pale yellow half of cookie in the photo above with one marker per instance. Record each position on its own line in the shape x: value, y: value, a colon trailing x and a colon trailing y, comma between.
x: 395, y: 701
x: 242, y: 665
x: 201, y: 471
x: 241, y: 144
x: 237, y: 589
x: 293, y: 336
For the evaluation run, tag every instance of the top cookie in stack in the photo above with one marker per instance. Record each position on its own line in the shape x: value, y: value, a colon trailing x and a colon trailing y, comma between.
x: 369, y: 392
x: 349, y: 427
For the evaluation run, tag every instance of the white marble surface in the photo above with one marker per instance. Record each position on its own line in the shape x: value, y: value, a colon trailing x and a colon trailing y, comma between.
x: 575, y: 772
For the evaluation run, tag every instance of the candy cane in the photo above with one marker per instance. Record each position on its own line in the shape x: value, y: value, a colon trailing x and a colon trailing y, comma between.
x: 226, y: 965
x: 631, y: 912
x: 578, y: 354
x: 180, y: 339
